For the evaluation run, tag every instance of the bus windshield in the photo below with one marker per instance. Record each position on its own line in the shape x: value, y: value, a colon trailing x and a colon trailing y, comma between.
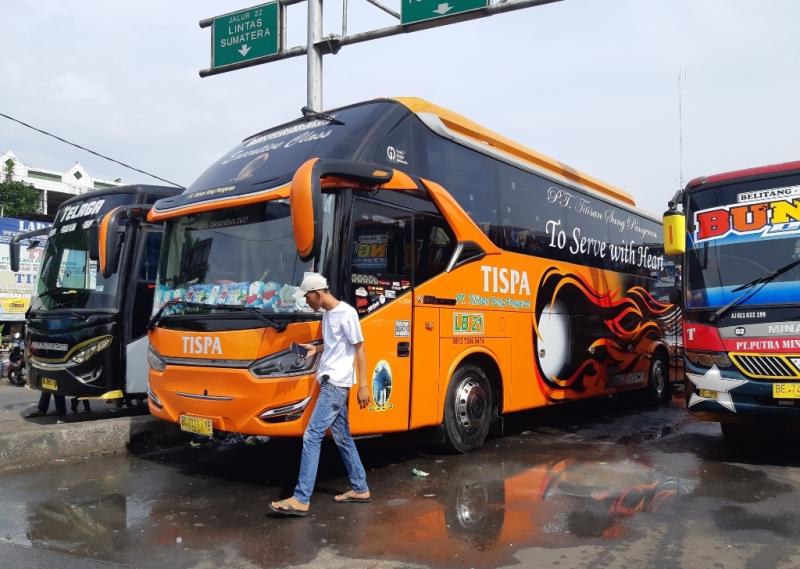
x: 244, y: 257
x: 271, y: 158
x: 68, y: 278
x: 740, y: 233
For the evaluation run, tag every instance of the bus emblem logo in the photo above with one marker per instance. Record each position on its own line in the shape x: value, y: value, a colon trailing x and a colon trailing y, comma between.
x: 205, y: 345
x: 468, y: 323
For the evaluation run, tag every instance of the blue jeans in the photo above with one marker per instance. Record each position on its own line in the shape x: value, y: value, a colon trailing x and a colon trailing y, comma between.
x: 330, y: 411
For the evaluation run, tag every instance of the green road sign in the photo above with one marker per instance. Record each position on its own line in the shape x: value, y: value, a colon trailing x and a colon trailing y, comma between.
x: 420, y: 10
x: 244, y: 35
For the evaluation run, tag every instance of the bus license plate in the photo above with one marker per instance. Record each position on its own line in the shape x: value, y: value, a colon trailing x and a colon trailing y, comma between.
x: 786, y: 390
x: 49, y: 383
x: 196, y: 425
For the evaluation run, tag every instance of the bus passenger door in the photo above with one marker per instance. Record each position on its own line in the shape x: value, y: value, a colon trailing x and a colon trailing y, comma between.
x: 379, y: 262
x: 139, y: 306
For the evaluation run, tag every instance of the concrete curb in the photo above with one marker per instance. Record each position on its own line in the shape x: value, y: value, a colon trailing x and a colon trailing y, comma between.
x: 72, y: 441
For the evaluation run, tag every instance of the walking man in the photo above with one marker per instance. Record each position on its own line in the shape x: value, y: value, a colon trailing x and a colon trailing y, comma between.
x: 343, y: 344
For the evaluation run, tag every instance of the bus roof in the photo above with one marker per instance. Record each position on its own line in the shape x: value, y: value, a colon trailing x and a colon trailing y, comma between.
x: 153, y: 191
x: 483, y: 136
x: 738, y: 175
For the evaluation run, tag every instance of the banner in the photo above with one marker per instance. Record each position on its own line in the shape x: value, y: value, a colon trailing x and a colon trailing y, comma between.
x: 16, y: 288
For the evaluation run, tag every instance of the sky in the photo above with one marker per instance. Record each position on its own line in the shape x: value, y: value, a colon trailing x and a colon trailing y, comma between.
x: 592, y: 83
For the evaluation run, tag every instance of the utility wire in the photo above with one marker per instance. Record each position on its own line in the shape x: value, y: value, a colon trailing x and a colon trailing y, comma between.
x: 89, y: 151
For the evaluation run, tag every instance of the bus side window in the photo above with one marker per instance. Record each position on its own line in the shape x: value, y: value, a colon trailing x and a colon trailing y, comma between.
x: 144, y: 285
x: 469, y: 176
x: 380, y: 255
x: 434, y: 244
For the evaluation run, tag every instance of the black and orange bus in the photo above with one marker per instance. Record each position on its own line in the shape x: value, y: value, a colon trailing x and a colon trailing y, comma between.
x: 85, y: 332
x: 489, y: 278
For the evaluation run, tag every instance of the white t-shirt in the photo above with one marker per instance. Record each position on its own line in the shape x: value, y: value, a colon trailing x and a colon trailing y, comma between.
x: 340, y: 331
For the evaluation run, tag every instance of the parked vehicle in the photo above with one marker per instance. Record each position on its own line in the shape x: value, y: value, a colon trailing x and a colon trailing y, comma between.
x: 489, y: 278
x: 16, y: 366
x: 86, y: 328
x: 737, y: 235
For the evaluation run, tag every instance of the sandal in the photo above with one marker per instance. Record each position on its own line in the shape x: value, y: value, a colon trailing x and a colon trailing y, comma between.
x: 284, y: 508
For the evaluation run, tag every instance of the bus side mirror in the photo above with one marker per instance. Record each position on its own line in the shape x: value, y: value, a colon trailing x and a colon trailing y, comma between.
x: 94, y: 242
x: 111, y: 233
x: 305, y: 196
x: 674, y: 232
x: 109, y: 240
x: 13, y: 250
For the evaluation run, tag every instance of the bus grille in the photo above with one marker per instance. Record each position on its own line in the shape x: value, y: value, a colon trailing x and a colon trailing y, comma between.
x: 765, y: 367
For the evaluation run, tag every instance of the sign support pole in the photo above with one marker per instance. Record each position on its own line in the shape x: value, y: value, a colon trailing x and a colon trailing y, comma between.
x: 314, y: 63
x: 240, y: 39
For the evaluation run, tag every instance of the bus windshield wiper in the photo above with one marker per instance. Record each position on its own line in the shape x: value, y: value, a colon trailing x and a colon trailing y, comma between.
x: 312, y: 114
x: 279, y: 326
x: 762, y: 280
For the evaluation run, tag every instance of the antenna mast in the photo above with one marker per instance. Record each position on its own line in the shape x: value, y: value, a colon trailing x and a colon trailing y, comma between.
x: 681, y: 77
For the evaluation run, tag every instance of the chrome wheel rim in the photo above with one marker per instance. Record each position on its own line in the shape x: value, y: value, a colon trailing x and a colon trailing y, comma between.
x: 658, y: 377
x: 471, y: 404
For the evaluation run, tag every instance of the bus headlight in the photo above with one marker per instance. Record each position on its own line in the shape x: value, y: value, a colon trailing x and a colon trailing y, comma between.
x: 284, y: 364
x: 91, y: 349
x: 708, y: 359
x: 155, y: 360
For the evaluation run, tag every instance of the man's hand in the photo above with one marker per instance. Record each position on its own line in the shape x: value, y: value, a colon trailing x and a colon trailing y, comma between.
x: 363, y: 396
x: 311, y: 349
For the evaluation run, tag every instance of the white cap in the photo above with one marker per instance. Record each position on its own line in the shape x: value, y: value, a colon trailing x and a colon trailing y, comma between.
x: 311, y: 281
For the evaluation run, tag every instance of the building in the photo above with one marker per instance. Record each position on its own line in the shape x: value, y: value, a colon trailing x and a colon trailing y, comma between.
x: 55, y: 187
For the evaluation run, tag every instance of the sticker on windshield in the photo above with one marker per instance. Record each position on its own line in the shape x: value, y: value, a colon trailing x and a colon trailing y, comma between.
x: 80, y: 210
x: 765, y: 213
x: 396, y: 155
x: 246, y: 152
x: 303, y: 126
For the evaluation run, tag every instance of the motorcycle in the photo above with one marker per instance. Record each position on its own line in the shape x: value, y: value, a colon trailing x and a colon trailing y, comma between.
x: 16, y: 365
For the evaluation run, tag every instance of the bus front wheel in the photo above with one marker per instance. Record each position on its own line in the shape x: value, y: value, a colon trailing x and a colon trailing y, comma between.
x: 468, y: 408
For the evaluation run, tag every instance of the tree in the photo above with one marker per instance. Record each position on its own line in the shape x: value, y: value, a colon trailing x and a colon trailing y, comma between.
x: 17, y: 198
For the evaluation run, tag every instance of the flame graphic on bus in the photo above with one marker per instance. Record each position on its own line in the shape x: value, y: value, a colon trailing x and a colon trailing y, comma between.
x: 583, y: 336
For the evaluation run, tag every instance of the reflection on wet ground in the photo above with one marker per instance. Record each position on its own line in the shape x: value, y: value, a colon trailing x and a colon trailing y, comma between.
x: 596, y: 475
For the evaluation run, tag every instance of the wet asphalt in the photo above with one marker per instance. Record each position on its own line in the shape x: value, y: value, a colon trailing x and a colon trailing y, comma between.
x: 600, y: 484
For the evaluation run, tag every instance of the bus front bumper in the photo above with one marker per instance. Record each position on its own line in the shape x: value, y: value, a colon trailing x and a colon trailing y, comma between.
x: 716, y: 395
x: 233, y: 399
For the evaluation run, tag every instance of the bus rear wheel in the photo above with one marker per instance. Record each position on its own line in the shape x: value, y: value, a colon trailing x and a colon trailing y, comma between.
x: 468, y: 409
x: 657, y: 390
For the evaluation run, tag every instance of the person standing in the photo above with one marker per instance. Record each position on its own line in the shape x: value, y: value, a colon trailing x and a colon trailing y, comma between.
x: 342, y: 344
x: 44, y: 403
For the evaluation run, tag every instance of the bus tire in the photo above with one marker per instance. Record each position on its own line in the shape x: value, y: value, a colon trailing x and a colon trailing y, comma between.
x: 657, y: 390
x: 468, y: 409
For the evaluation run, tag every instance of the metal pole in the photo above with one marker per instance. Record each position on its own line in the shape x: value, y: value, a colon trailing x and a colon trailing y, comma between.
x: 314, y: 55
x: 315, y: 7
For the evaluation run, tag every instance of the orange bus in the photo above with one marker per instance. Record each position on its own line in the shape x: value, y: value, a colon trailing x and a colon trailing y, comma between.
x: 489, y: 278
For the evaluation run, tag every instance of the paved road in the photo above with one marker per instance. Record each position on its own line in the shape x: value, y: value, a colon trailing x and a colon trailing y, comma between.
x: 595, y: 485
